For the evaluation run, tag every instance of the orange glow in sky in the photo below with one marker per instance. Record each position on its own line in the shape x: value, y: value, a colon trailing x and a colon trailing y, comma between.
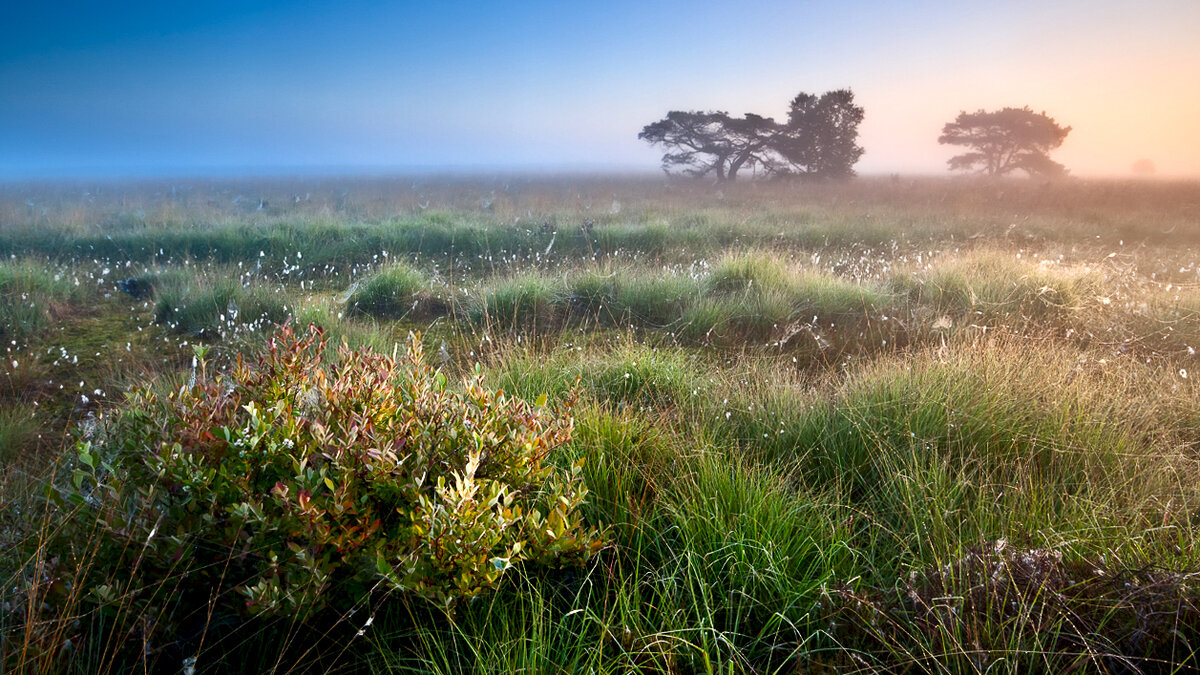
x: 155, y: 87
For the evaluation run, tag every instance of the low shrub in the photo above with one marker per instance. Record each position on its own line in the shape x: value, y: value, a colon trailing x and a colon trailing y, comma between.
x: 291, y: 484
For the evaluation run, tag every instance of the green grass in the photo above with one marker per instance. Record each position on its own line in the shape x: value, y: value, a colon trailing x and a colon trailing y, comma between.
x: 749, y: 272
x: 521, y: 302
x: 653, y: 300
x: 826, y: 428
x: 206, y: 307
x: 29, y: 296
x: 629, y: 374
x: 591, y: 291
x: 748, y: 296
x: 994, y: 284
x: 653, y: 379
x: 396, y: 291
x: 743, y: 576
x: 759, y: 297
x: 18, y: 432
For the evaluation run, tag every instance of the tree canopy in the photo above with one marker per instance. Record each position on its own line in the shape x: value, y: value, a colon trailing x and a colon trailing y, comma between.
x: 821, y: 136
x: 819, y: 140
x: 1006, y: 140
x: 703, y: 143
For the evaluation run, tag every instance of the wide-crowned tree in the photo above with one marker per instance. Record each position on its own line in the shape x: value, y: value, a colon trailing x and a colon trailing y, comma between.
x: 1006, y: 140
x: 703, y: 143
x: 820, y: 139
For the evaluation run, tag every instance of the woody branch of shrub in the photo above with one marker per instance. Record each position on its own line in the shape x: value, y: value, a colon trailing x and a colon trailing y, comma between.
x: 291, y: 484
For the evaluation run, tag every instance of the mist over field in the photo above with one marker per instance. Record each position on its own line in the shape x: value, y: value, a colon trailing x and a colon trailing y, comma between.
x: 141, y: 89
x: 668, y: 338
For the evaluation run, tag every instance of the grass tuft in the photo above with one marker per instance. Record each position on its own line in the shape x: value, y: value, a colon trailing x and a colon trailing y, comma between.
x: 396, y: 291
x: 30, y: 295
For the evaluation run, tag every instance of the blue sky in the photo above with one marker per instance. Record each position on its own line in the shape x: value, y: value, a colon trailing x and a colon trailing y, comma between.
x: 191, y: 87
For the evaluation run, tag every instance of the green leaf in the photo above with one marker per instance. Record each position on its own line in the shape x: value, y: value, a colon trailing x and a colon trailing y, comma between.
x: 541, y: 401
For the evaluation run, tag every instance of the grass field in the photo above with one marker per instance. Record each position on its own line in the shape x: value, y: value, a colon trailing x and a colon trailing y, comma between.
x: 889, y: 425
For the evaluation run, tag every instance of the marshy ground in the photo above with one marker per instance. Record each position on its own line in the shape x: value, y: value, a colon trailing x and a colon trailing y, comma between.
x: 879, y: 426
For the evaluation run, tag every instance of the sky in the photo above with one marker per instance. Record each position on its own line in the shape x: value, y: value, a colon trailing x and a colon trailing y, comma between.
x: 162, y: 87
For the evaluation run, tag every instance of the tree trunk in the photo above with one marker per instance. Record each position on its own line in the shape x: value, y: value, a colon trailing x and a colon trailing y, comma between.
x: 738, y: 162
x: 734, y: 166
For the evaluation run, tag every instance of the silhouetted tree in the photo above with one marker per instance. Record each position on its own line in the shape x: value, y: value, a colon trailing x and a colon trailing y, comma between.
x: 820, y: 139
x: 710, y: 142
x: 1004, y: 141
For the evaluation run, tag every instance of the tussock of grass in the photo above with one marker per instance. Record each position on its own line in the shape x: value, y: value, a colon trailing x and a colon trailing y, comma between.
x: 18, y: 431
x: 828, y: 296
x: 758, y: 296
x: 998, y: 285
x: 757, y: 274
x: 29, y: 295
x: 654, y: 300
x: 758, y: 317
x: 591, y: 291
x: 643, y: 377
x: 750, y: 559
x: 748, y: 296
x: 750, y: 271
x: 396, y: 291
x: 986, y: 441
x: 521, y: 302
x: 204, y: 307
x: 628, y: 375
x: 630, y: 462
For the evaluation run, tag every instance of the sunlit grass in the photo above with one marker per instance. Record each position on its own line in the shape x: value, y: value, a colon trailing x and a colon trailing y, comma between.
x: 394, y: 292
x: 887, y: 426
x: 993, y: 284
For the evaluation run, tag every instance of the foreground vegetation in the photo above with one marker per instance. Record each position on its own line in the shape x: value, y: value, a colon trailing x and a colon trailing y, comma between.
x: 885, y: 426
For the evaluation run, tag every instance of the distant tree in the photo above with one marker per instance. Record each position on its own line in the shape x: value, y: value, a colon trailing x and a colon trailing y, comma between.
x: 753, y: 138
x: 703, y: 143
x: 820, y: 138
x: 1004, y: 141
